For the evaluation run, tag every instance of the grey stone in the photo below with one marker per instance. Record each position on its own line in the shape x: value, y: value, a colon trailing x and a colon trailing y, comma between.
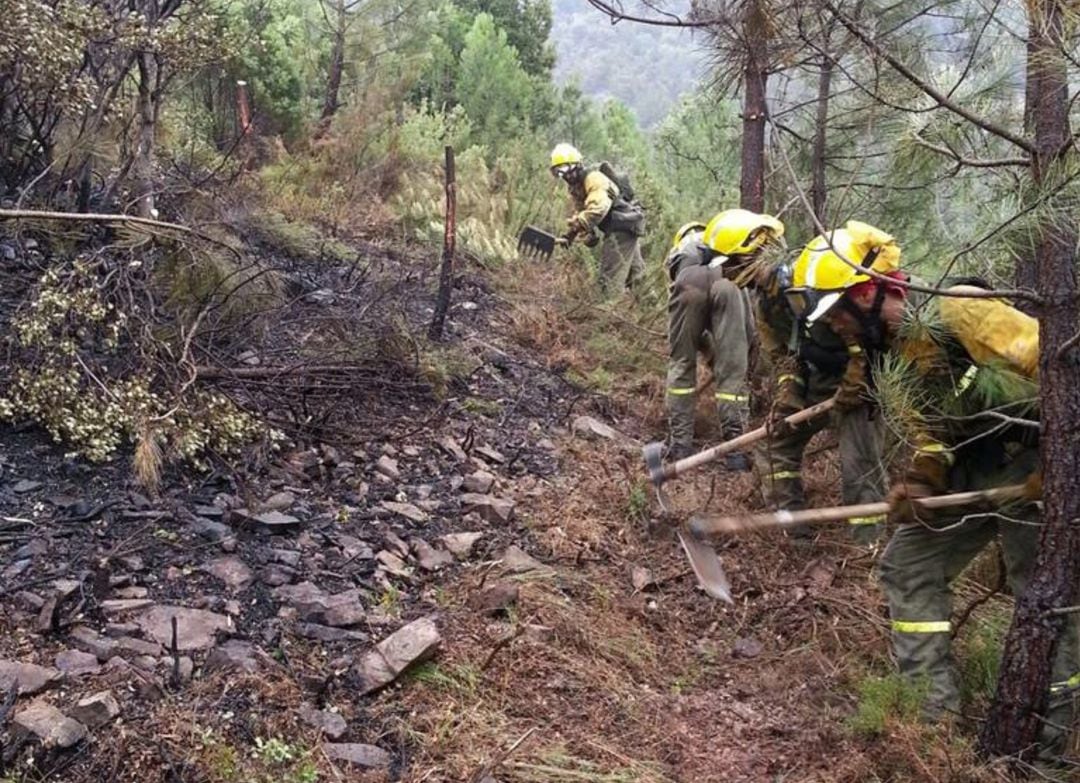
x: 641, y: 578
x: 275, y: 522
x: 24, y: 486
x: 329, y: 723
x: 355, y: 549
x: 279, y: 501
x: 479, y: 482
x: 490, y: 454
x: 315, y: 606
x: 28, y: 677
x: 289, y: 557
x: 213, y: 512
x: 276, y: 575
x: 133, y: 646
x: 50, y: 725
x: 96, y: 710
x: 746, y: 647
x: 35, y: 547
x: 93, y: 642
x: 233, y: 655
x: 324, y: 633
x: 407, y: 510
x: 388, y: 467
x: 147, y: 663
x: 212, y: 531
x: 123, y: 605
x: 131, y: 592
x: 461, y: 544
x: 231, y: 570
x: 394, y: 564
x: 491, y: 509
x: 430, y: 558
x: 75, y: 663
x: 517, y: 561
x: 495, y: 599
x: 593, y: 429
x: 116, y: 630
x: 196, y: 629
x: 358, y: 754
x: 410, y: 645
x: 15, y: 570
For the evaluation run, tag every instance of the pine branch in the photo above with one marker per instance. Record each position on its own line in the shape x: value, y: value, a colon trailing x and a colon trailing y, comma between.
x: 963, y: 160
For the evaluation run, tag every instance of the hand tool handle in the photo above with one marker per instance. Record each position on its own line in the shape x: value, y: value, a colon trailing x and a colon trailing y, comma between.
x: 674, y: 469
x: 714, y: 525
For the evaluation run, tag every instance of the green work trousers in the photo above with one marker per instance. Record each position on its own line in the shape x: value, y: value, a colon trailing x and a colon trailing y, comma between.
x: 924, y: 557
x: 860, y: 434
x: 704, y: 308
x: 621, y: 265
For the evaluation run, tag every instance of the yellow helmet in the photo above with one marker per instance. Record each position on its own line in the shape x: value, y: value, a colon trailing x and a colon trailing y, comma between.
x: 565, y: 154
x: 685, y: 229
x: 829, y: 265
x: 736, y: 232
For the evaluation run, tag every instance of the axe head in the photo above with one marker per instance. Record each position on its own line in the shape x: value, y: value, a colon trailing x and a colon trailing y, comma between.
x: 710, y: 573
x: 536, y: 243
x: 653, y: 454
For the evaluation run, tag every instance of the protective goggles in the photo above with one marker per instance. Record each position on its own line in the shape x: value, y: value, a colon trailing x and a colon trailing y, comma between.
x: 810, y: 304
x: 562, y: 170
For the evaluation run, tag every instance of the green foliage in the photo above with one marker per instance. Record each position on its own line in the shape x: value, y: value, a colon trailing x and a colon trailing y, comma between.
x: 886, y: 699
x: 527, y: 24
x: 979, y: 654
x: 637, y: 502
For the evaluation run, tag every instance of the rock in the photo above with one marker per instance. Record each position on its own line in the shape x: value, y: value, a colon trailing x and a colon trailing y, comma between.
x: 50, y: 725
x: 185, y: 668
x: 641, y: 578
x: 315, y: 606
x: 93, y: 642
x: 274, y: 522
x: 394, y: 564
x: 410, y: 645
x: 28, y: 601
x: 133, y: 563
x: 196, y: 629
x: 329, y: 723
x: 304, y: 461
x: 355, y: 549
x: 490, y: 454
x: 28, y: 677
x: 746, y: 647
x: 231, y: 570
x: 211, y: 531
x: 388, y: 467
x: 546, y: 444
x: 24, y: 486
x: 325, y: 633
x: 366, y: 756
x: 133, y: 646
x: 76, y: 663
x: 593, y: 429
x: 213, y: 512
x: 147, y: 663
x: 320, y: 296
x: 330, y: 455
x: 396, y: 543
x: 116, y: 630
x: 96, y: 710
x: 423, y: 491
x: 453, y: 448
x: 429, y: 558
x: 491, y: 509
x: 233, y: 655
x: 279, y: 501
x: 515, y: 560
x: 8, y: 252
x: 15, y: 570
x: 479, y: 482
x: 276, y: 575
x: 461, y: 544
x: 123, y: 605
x: 289, y: 557
x: 132, y: 592
x: 35, y: 547
x: 407, y: 510
x: 495, y: 599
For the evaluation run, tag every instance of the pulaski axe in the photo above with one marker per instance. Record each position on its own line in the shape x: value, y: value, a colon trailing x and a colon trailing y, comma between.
x: 703, y: 527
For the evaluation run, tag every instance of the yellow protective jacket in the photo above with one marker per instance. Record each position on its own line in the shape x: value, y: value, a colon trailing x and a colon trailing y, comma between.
x: 969, y: 335
x: 593, y: 199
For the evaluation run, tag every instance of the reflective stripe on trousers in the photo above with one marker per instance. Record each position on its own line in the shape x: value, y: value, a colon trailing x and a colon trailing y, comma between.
x: 680, y: 391
x: 921, y: 626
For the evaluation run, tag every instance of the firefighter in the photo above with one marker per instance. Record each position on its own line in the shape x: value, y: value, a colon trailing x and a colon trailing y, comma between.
x: 812, y: 364
x: 969, y: 359
x: 604, y: 215
x: 709, y: 311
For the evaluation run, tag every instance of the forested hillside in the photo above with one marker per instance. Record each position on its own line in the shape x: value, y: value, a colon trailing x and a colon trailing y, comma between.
x: 479, y: 390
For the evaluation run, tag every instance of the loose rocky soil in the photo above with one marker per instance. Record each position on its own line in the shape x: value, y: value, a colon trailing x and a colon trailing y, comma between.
x: 476, y: 586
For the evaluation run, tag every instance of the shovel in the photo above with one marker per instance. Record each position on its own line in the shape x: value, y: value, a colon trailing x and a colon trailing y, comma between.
x: 703, y: 527
x: 536, y: 244
x: 659, y: 472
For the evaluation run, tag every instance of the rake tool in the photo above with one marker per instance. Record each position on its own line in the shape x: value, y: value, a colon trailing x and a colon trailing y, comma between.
x: 702, y: 527
x: 659, y: 472
x: 536, y: 244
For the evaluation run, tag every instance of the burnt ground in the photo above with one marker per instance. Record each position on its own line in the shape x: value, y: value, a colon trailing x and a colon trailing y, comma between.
x: 588, y: 656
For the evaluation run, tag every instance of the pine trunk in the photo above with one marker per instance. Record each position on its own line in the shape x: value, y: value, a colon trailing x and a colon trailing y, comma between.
x: 1014, y: 721
x: 143, y: 163
x: 755, y: 77
x: 819, y: 187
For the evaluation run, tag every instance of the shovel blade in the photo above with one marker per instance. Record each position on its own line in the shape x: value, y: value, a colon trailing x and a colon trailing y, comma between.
x: 707, y: 567
x: 536, y: 243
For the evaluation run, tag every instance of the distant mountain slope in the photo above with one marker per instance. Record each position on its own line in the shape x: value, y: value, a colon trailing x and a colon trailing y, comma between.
x: 646, y: 67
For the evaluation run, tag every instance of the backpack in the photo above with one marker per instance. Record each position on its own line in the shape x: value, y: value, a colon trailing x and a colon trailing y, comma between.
x: 621, y: 180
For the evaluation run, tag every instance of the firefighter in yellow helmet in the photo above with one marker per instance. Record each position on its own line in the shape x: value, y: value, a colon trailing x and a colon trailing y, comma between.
x: 820, y: 365
x: 970, y: 360
x: 709, y: 309
x: 606, y: 213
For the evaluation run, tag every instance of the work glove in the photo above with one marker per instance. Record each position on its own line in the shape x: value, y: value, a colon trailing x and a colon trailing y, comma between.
x: 850, y: 396
x: 789, y: 399
x: 900, y: 497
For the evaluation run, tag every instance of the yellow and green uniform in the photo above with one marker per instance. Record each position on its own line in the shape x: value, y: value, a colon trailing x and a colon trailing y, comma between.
x: 968, y: 356
x: 601, y: 209
x: 808, y: 368
x: 711, y: 314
